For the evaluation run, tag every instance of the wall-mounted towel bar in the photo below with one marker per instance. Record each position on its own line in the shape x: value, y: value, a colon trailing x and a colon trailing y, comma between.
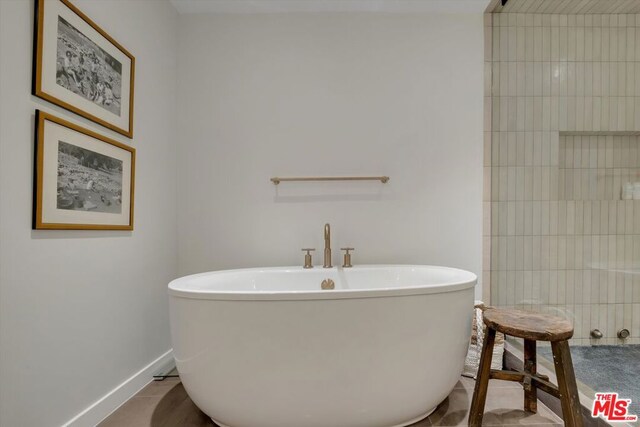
x: 383, y: 179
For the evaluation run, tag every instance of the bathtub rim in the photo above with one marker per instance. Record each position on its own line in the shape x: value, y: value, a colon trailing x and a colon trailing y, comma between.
x: 173, y: 289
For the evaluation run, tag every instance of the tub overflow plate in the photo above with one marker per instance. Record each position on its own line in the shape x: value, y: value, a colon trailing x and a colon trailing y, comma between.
x: 327, y: 284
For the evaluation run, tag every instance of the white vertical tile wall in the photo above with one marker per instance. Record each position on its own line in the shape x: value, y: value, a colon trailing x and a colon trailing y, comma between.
x: 561, y: 139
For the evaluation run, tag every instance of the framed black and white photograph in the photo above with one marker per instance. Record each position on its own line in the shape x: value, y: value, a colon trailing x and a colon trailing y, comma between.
x: 78, y: 66
x: 83, y: 180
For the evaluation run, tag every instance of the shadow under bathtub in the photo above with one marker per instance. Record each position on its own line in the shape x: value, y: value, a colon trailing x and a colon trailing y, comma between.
x: 177, y: 409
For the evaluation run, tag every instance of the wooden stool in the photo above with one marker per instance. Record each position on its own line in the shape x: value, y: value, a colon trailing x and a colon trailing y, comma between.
x: 532, y: 327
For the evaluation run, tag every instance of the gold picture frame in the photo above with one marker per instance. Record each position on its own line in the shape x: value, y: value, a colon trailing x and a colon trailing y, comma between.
x: 81, y: 68
x: 83, y: 180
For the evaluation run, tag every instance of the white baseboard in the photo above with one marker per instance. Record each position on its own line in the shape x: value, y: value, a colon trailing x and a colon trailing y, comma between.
x: 104, y: 406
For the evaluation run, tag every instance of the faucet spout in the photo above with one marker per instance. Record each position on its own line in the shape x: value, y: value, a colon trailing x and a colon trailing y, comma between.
x: 327, y: 246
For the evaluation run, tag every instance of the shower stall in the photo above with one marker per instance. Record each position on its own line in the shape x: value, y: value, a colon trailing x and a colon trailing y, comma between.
x: 562, y: 176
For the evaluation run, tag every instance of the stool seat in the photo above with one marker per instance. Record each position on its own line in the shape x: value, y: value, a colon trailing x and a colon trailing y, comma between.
x: 528, y: 325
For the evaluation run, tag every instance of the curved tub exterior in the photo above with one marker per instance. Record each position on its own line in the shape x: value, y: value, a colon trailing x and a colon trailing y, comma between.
x: 347, y: 362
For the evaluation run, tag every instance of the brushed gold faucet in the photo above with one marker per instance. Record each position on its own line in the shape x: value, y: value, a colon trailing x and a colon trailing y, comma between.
x: 327, y: 246
x: 347, y: 257
x: 308, y: 263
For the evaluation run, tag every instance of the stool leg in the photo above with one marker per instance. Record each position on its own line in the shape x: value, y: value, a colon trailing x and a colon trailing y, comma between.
x: 530, y: 390
x: 482, y: 381
x: 571, y: 410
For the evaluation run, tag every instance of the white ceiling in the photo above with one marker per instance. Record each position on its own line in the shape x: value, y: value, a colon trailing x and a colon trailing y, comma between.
x: 567, y: 6
x: 292, y: 6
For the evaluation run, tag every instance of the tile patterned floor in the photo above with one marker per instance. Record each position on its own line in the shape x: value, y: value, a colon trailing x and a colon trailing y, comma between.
x: 607, y: 367
x: 166, y: 404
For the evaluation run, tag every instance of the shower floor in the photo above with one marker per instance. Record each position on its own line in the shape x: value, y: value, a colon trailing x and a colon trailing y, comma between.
x: 607, y: 368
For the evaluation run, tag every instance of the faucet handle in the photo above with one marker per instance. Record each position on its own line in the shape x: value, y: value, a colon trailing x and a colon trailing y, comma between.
x: 347, y: 257
x: 307, y: 258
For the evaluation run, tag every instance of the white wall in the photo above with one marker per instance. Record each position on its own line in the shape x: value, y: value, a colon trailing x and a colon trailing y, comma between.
x: 82, y: 311
x: 330, y: 94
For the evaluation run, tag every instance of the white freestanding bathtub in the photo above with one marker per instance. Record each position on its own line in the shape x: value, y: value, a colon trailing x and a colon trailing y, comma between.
x: 267, y: 347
